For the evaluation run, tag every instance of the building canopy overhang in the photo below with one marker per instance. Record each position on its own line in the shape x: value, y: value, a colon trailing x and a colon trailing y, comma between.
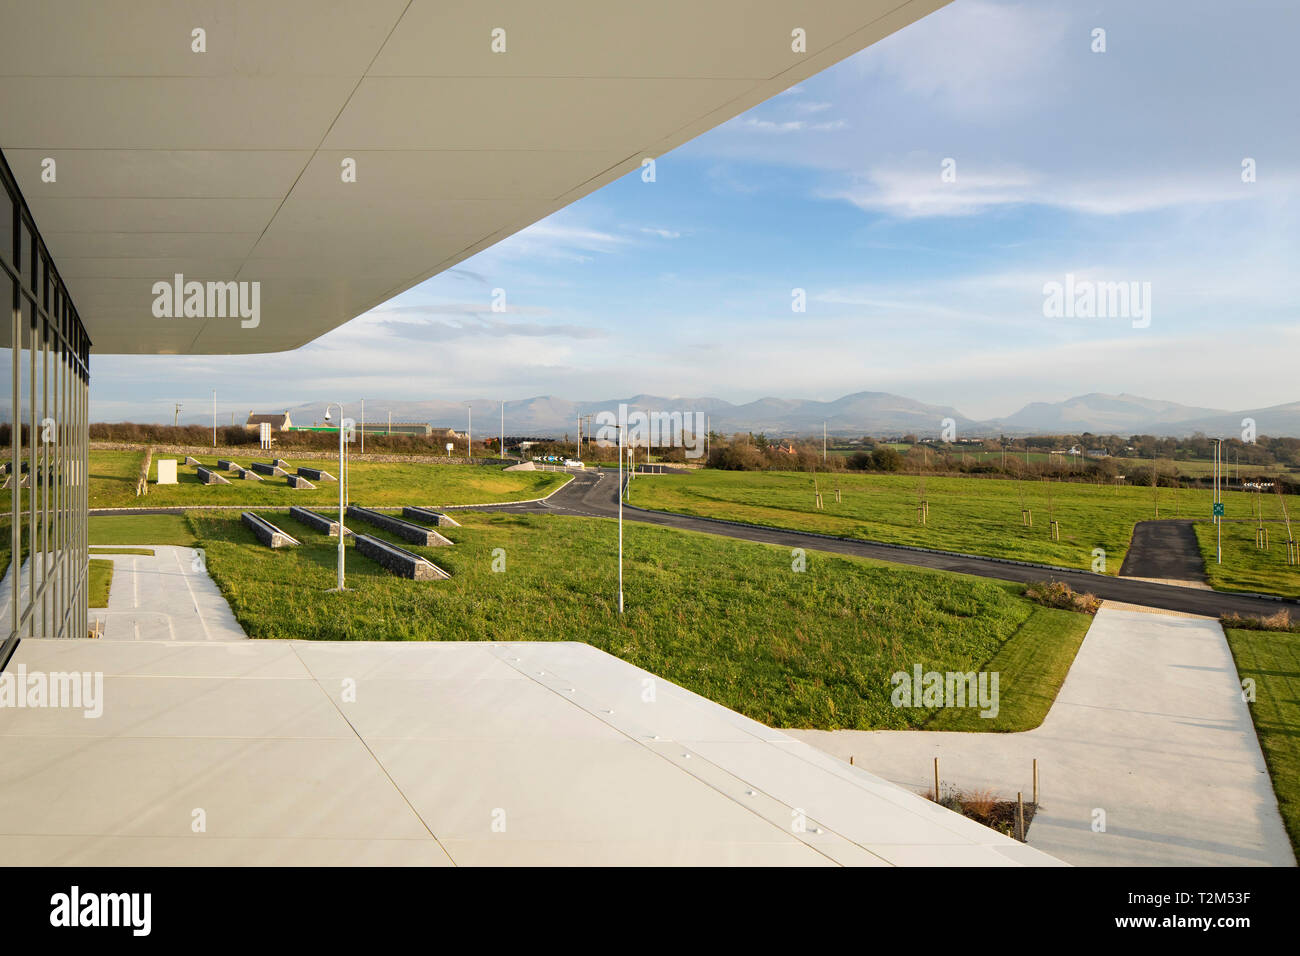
x: 228, y: 165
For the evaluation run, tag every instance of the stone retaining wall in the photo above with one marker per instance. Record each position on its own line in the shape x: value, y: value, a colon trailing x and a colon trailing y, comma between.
x: 398, y: 560
x: 267, y: 533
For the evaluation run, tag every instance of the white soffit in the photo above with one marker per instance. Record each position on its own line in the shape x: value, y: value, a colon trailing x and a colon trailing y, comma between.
x: 225, y: 165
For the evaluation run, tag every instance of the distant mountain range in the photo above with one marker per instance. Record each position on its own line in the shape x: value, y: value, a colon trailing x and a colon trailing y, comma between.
x: 862, y: 413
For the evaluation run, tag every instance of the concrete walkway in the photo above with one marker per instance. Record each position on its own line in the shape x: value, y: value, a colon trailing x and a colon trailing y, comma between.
x: 1149, y: 727
x: 166, y: 597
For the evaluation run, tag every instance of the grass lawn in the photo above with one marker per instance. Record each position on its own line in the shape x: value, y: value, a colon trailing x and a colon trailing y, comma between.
x: 1245, y: 568
x: 101, y: 577
x: 1037, y: 657
x: 113, y: 476
x: 142, y: 529
x: 727, y: 619
x: 1272, y: 660
x: 972, y: 515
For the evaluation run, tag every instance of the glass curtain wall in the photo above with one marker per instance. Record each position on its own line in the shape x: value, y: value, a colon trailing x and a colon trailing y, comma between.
x: 44, y: 393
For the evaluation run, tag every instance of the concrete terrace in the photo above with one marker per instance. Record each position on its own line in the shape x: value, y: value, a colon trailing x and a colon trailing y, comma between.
x: 432, y: 754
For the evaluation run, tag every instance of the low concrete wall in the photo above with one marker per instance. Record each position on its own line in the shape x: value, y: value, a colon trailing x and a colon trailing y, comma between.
x: 398, y: 560
x: 210, y: 477
x: 403, y: 529
x: 225, y: 464
x: 433, y: 517
x: 315, y: 474
x: 245, y: 475
x: 297, y: 481
x: 267, y: 533
x: 262, y: 468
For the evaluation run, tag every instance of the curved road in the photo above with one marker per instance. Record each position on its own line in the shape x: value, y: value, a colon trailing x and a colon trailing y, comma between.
x: 592, y: 494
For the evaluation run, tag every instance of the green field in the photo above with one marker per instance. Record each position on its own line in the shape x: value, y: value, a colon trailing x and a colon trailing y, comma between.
x: 1272, y: 660
x: 968, y: 514
x: 113, y: 477
x: 729, y: 620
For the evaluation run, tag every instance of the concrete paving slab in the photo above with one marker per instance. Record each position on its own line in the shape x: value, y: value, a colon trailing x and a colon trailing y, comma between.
x: 1149, y: 728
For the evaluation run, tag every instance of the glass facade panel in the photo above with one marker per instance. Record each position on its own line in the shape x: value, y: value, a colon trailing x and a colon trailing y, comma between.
x: 44, y: 356
x: 9, y: 491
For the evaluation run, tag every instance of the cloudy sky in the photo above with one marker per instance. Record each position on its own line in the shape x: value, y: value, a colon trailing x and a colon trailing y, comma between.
x: 1122, y: 166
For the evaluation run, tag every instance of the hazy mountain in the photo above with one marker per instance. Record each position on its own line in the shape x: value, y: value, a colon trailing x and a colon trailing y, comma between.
x: 862, y: 413
x: 1098, y: 413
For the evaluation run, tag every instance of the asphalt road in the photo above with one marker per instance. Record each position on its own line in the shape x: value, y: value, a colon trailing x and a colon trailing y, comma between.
x: 1164, y: 549
x: 592, y: 494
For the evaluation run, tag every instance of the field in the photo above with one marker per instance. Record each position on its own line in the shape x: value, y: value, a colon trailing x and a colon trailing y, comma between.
x: 1244, y: 568
x: 729, y: 620
x: 1272, y: 660
x: 973, y: 515
x: 113, y: 476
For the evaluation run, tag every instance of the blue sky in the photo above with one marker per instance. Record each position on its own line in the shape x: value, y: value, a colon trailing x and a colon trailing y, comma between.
x: 1116, y: 166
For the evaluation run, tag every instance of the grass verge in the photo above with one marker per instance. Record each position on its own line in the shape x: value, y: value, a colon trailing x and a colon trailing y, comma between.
x: 101, y: 579
x: 1031, y: 666
x: 1272, y: 660
x: 142, y: 529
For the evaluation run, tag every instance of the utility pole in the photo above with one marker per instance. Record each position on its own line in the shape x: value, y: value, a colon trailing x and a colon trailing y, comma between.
x: 176, y: 415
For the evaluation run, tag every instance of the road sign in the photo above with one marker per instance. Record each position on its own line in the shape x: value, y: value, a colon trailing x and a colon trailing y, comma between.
x: 1218, y: 509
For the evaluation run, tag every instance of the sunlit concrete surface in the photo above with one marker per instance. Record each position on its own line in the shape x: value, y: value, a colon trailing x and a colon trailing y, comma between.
x: 1149, y: 727
x: 432, y: 753
x: 164, y: 597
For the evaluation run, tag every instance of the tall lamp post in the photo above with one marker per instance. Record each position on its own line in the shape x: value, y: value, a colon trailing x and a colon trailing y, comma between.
x: 620, y: 518
x: 341, y: 463
x: 1218, y: 520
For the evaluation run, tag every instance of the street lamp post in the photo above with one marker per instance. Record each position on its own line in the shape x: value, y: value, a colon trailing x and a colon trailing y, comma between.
x: 1218, y: 521
x: 620, y: 519
x: 341, y: 474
